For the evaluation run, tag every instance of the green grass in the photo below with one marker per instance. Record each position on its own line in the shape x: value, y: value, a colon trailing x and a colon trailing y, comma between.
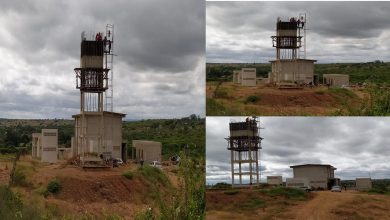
x: 252, y: 203
x: 379, y: 191
x: 19, y: 179
x: 290, y: 193
x: 42, y: 191
x: 128, y: 174
x: 54, y: 187
x: 154, y: 175
x: 342, y: 92
x: 252, y: 99
x: 231, y: 192
x: 7, y: 156
x: 222, y: 93
x: 222, y: 185
x: 12, y: 207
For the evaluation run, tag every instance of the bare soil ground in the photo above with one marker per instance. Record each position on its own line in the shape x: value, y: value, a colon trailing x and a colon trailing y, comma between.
x: 99, y: 192
x: 220, y: 205
x: 274, y: 101
x: 323, y: 205
x: 4, y: 173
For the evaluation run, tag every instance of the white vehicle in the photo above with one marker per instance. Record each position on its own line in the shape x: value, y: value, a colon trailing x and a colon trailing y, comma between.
x: 156, y: 164
x: 336, y: 189
x: 119, y: 161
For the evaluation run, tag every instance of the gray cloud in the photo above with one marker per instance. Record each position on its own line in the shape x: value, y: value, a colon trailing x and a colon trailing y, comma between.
x: 338, y: 31
x: 357, y: 147
x: 159, y: 67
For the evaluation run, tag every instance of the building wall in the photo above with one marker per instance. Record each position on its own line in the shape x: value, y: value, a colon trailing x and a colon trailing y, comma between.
x: 297, y: 182
x: 274, y: 180
x: 248, y: 77
x: 363, y: 183
x: 147, y: 150
x: 337, y: 80
x: 237, y: 76
x: 292, y: 71
x: 36, y: 145
x: 64, y: 153
x: 239, y: 133
x: 87, y: 139
x: 91, y: 62
x: 317, y: 175
x: 49, y: 141
x: 283, y: 32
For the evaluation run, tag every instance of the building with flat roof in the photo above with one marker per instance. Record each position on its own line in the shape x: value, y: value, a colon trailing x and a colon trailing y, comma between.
x: 147, y: 150
x: 275, y: 180
x: 363, y: 183
x: 319, y: 175
x: 335, y: 80
x: 45, y: 145
x: 248, y: 77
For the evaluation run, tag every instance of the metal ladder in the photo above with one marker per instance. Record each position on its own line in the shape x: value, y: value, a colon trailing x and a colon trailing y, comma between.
x: 109, y: 64
x: 302, y: 49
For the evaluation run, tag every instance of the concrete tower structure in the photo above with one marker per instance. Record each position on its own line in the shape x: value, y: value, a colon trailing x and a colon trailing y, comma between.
x: 98, y: 130
x: 291, y: 68
x: 244, y: 144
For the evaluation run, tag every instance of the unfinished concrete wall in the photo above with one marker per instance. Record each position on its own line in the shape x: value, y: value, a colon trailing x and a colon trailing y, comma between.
x: 36, y: 146
x: 98, y: 133
x: 300, y: 70
x: 64, y: 153
x: 274, y: 180
x: 49, y: 141
x: 147, y: 150
x: 297, y: 182
x: 336, y: 80
x: 248, y: 77
x: 237, y: 76
x: 318, y: 175
x: 363, y: 183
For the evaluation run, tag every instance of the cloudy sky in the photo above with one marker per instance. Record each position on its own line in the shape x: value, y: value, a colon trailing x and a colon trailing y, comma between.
x: 159, y: 70
x: 356, y: 147
x: 338, y: 31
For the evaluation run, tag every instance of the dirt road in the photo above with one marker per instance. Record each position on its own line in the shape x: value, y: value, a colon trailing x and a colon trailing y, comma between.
x: 322, y: 205
x: 345, y: 205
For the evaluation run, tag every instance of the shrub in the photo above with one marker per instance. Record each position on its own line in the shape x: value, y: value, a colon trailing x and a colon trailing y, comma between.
x: 231, y: 192
x: 221, y: 93
x: 54, y: 186
x: 154, y: 175
x: 42, y: 191
x: 12, y: 207
x: 129, y: 175
x: 291, y: 193
x: 222, y: 185
x: 252, y: 99
x: 19, y: 178
x: 253, y: 203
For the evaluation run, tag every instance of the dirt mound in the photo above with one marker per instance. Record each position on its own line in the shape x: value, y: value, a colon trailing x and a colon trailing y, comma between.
x: 111, y: 189
x: 306, y: 99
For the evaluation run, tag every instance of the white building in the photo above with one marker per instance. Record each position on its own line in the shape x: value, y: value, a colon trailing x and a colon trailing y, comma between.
x: 45, y: 145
